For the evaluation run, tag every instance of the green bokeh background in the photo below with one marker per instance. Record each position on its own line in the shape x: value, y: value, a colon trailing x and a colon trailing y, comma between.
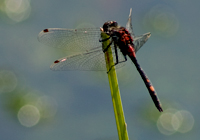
x: 79, y: 102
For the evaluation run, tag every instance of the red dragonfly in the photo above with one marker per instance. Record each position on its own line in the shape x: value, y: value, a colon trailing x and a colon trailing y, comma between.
x: 88, y: 42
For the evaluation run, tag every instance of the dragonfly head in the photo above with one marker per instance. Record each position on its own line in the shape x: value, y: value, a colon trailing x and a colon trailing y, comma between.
x: 109, y: 25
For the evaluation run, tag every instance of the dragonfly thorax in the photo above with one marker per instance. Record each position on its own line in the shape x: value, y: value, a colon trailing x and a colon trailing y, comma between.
x: 119, y: 35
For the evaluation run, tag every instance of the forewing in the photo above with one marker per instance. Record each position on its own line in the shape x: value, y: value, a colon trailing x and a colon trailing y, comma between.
x: 70, y: 39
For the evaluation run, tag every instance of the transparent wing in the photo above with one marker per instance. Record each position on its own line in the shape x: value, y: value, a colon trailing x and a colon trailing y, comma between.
x: 80, y: 39
x: 140, y: 40
x: 85, y: 41
x: 71, y: 39
x: 129, y: 26
x: 94, y: 58
x: 89, y: 60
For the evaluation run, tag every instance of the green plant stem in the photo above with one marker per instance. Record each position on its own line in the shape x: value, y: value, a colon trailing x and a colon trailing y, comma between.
x: 115, y: 93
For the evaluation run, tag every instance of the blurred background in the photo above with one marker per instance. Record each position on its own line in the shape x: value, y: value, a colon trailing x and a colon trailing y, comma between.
x: 37, y: 103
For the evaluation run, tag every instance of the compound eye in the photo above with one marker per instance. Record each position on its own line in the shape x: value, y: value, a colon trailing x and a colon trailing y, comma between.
x: 105, y: 27
x: 115, y: 24
x: 109, y: 24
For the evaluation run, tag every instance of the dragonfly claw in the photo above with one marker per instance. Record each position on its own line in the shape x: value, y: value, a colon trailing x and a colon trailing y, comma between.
x: 102, y: 40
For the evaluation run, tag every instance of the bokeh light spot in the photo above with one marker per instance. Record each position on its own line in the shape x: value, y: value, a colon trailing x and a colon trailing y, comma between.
x: 162, y: 20
x: 164, y: 124
x: 186, y: 121
x: 172, y: 121
x: 28, y: 115
x: 8, y: 81
x: 16, y: 10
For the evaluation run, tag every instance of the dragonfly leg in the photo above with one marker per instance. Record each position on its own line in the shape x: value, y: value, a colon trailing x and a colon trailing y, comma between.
x: 102, y: 40
x: 117, y: 63
x: 117, y: 60
x: 116, y: 55
x: 107, y: 46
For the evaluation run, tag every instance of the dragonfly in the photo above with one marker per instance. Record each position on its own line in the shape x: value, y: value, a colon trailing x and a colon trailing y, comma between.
x: 88, y: 43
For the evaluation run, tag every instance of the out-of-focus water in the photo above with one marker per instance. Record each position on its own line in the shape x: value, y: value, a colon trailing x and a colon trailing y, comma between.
x: 37, y: 103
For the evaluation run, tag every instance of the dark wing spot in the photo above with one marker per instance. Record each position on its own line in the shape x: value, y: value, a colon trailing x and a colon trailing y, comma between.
x: 57, y: 61
x: 45, y: 30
